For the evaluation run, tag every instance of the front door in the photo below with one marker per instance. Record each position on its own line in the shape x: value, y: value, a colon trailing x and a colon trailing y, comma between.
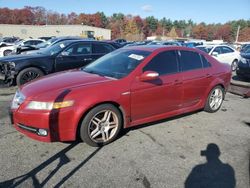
x: 75, y: 56
x: 151, y: 98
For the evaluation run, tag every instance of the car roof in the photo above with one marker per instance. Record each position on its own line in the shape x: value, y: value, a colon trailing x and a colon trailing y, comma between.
x: 84, y: 40
x: 153, y: 48
x: 212, y: 45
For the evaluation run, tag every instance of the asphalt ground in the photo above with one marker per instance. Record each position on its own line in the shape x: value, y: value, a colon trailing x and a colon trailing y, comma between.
x: 169, y: 153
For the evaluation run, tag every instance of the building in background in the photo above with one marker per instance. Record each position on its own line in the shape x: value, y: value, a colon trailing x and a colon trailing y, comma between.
x: 35, y: 31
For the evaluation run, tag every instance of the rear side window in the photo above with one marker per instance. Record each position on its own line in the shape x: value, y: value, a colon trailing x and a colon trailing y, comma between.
x: 190, y: 60
x: 225, y: 50
x: 79, y: 49
x: 102, y: 48
x: 163, y: 63
x: 205, y: 62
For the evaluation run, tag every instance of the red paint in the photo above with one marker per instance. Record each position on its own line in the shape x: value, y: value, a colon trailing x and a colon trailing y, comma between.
x: 140, y: 101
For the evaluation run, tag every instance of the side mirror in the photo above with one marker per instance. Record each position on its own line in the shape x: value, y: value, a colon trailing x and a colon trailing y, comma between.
x: 64, y: 53
x: 215, y: 54
x: 148, y: 76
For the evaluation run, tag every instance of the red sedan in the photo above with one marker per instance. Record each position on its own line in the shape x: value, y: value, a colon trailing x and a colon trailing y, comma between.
x: 125, y: 88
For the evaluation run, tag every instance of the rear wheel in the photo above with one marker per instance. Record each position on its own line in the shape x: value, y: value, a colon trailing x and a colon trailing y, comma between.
x: 26, y: 75
x: 234, y: 65
x: 215, y: 99
x: 101, y: 125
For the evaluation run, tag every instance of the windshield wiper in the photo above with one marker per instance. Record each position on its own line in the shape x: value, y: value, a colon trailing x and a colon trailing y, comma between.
x: 98, y: 73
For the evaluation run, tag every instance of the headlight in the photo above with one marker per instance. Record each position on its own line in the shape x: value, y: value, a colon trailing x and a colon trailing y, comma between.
x: 36, y: 105
x: 12, y: 64
x: 18, y: 99
x: 243, y: 60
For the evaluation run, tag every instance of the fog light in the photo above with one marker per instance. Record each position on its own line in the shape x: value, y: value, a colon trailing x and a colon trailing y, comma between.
x: 42, y: 132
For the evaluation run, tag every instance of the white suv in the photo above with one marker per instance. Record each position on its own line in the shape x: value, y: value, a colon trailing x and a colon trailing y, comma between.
x: 222, y: 53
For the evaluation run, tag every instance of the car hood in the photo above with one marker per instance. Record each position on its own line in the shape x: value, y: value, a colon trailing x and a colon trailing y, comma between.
x: 59, y: 82
x: 245, y: 55
x: 16, y: 58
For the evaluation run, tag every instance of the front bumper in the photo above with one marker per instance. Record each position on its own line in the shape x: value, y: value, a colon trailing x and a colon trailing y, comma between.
x: 57, y: 123
x: 7, y: 72
x: 2, y: 76
x: 243, y: 72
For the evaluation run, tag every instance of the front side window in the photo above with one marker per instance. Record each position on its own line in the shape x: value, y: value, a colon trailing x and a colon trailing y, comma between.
x: 218, y: 50
x: 163, y: 63
x: 190, y: 60
x: 27, y: 43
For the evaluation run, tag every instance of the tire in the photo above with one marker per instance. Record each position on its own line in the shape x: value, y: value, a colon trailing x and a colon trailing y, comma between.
x: 214, y: 100
x: 28, y: 74
x: 95, y: 127
x: 7, y: 52
x: 234, y: 65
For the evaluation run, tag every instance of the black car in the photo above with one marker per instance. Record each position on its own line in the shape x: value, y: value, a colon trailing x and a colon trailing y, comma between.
x: 243, y: 69
x: 69, y: 54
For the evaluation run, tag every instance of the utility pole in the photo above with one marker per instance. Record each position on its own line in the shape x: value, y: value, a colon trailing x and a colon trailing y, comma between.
x: 237, y: 35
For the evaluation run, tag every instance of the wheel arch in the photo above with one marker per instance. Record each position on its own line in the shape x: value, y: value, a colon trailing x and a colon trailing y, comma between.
x: 214, y: 84
x: 83, y: 114
x: 33, y: 66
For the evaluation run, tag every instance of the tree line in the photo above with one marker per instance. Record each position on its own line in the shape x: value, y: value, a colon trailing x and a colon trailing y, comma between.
x: 130, y: 27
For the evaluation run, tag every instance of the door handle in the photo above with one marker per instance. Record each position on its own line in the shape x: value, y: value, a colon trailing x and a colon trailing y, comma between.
x: 177, y: 82
x: 87, y: 59
x: 208, y: 75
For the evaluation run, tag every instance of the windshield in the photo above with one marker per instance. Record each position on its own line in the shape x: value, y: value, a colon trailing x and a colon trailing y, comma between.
x: 56, y: 48
x: 117, y: 64
x: 206, y: 49
x: 246, y: 50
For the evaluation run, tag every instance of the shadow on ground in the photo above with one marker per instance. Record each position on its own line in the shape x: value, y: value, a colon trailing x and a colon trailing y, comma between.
x: 212, y: 174
x: 63, y: 160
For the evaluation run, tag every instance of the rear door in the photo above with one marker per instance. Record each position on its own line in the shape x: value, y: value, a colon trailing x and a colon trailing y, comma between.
x: 228, y: 54
x: 196, y: 77
x: 75, y: 56
x: 150, y: 98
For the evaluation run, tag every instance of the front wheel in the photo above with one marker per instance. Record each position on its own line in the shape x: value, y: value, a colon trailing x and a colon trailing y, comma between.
x: 101, y: 125
x: 215, y: 99
x: 7, y: 52
x: 28, y: 74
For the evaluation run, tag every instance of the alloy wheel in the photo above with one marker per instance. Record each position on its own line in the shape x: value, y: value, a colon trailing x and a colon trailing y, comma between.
x: 215, y: 99
x: 28, y: 76
x: 103, y: 126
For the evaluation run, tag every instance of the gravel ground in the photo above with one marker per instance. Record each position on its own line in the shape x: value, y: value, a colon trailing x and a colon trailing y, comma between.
x: 162, y: 154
